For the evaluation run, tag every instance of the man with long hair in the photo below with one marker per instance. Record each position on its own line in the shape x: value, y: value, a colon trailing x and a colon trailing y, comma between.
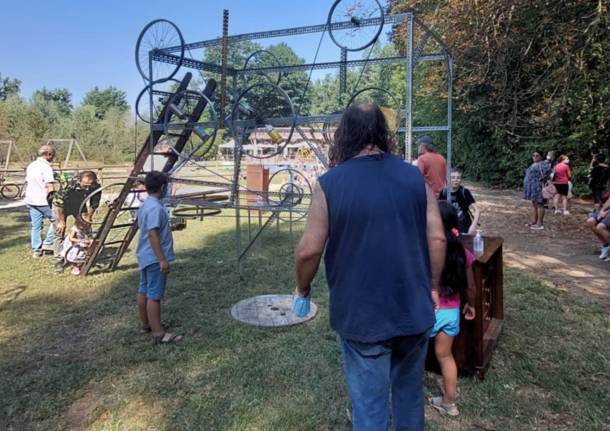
x: 380, y: 226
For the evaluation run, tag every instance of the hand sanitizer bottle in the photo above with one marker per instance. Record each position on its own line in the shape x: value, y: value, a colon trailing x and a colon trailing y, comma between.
x: 478, y: 244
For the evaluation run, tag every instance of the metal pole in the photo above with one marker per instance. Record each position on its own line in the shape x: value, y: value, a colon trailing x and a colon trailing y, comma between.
x: 8, y: 155
x: 449, y: 120
x: 151, y: 142
x: 343, y: 73
x: 409, y: 95
x: 223, y: 73
x: 235, y: 192
x: 71, y: 142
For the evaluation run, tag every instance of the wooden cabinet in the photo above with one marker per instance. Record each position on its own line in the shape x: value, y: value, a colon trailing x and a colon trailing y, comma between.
x: 257, y: 180
x: 474, y: 346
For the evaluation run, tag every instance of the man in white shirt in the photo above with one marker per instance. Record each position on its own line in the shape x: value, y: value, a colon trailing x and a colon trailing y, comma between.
x: 40, y: 182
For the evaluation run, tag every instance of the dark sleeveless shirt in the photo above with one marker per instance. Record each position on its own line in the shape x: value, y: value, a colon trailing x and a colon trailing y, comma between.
x: 377, y: 262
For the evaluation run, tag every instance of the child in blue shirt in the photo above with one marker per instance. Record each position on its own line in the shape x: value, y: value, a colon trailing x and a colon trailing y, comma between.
x: 155, y: 251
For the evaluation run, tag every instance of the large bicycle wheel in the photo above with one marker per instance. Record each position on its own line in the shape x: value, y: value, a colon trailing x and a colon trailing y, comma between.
x: 263, y: 121
x: 162, y: 91
x: 289, y: 192
x: 255, y: 65
x: 355, y: 24
x: 185, y: 116
x: 10, y: 191
x: 159, y: 37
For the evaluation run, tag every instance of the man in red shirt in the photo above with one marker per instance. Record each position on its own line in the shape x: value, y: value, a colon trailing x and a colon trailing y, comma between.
x: 432, y: 165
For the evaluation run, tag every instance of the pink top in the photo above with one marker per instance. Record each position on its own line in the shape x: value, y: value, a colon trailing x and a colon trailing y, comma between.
x: 453, y: 301
x: 562, y: 174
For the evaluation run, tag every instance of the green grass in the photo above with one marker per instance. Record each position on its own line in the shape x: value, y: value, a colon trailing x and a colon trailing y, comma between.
x: 71, y: 357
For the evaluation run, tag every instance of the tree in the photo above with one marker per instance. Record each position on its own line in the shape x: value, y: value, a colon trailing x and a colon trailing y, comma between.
x: 59, y: 97
x: 9, y: 87
x: 293, y: 83
x: 527, y: 76
x: 103, y: 100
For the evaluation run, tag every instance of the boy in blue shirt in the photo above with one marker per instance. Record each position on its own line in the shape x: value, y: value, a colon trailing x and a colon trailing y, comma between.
x: 155, y: 251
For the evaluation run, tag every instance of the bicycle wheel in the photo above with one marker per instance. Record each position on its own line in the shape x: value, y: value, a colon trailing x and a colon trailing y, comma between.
x: 263, y: 120
x: 256, y: 64
x: 355, y: 24
x: 162, y: 91
x: 290, y: 194
x: 159, y: 37
x: 10, y: 191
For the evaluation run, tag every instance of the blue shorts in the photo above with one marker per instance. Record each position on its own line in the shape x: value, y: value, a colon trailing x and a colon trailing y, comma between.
x: 152, y: 282
x: 605, y: 221
x: 447, y: 321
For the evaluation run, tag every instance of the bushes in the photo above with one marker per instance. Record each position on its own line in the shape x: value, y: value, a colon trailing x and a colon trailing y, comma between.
x: 528, y: 76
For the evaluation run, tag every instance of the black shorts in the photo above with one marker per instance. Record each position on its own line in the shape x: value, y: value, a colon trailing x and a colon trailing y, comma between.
x: 562, y: 189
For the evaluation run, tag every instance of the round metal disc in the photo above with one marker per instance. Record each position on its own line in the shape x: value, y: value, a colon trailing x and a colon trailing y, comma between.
x: 269, y: 311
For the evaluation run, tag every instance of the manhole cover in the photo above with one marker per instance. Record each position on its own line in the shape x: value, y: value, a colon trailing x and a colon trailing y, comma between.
x: 269, y: 310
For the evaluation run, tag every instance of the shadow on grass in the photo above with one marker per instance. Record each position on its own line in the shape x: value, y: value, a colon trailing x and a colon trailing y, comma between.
x: 74, y: 357
x: 71, y: 355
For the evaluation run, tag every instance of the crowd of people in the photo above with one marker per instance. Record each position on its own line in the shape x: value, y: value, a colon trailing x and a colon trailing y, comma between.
x: 547, y: 184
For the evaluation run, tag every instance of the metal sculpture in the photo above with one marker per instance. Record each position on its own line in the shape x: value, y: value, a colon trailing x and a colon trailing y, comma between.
x: 262, y: 121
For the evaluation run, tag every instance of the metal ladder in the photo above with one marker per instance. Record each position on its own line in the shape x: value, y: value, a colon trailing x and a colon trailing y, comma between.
x: 95, y: 255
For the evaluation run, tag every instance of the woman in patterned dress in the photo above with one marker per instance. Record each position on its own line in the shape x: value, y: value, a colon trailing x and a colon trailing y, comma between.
x: 535, y: 176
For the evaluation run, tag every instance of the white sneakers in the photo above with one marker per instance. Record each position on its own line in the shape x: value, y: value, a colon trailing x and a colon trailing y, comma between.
x: 605, y: 253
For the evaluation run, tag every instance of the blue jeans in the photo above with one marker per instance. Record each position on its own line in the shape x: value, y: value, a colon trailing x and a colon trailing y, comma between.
x: 372, y: 368
x: 37, y: 215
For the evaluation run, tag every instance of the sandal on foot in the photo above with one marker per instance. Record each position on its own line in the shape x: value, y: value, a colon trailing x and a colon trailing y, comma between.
x: 447, y: 409
x: 166, y: 338
x: 146, y: 329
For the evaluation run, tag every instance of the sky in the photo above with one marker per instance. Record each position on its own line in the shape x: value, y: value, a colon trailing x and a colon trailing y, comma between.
x: 79, y: 44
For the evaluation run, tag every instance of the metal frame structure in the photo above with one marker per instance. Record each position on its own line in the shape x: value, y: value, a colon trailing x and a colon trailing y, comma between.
x: 72, y: 145
x: 11, y: 148
x: 199, y: 203
x: 412, y: 57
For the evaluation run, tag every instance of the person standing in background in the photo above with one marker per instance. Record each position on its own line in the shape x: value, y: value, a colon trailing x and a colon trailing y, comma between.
x: 561, y: 178
x: 432, y: 165
x: 599, y: 175
x: 535, y: 177
x: 40, y: 182
x: 468, y: 212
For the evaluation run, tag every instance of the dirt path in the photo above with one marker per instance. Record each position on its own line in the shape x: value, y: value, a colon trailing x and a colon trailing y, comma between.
x: 565, y: 253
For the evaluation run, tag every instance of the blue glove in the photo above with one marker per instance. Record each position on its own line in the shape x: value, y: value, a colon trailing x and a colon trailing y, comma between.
x: 301, y: 305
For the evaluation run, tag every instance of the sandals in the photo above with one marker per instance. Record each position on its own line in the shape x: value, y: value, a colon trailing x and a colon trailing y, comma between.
x: 166, y: 338
x: 146, y: 329
x: 446, y: 409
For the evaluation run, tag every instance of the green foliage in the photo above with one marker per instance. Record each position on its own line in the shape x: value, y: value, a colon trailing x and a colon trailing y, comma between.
x: 48, y: 116
x: 9, y: 87
x: 103, y: 100
x: 59, y: 99
x: 527, y: 76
